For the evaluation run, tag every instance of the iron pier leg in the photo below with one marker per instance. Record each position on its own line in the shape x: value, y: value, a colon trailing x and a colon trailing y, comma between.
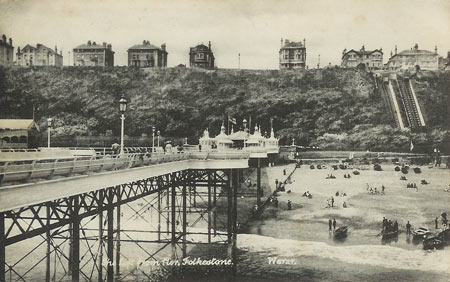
x: 2, y: 248
x: 195, y: 194
x: 168, y: 211
x: 47, y: 255
x: 76, y: 240
x: 229, y: 212
x: 258, y: 183
x: 209, y: 207
x: 184, y: 216
x: 235, y: 229
x: 70, y: 239
x: 215, y: 203
x: 118, y: 232
x: 173, y: 240
x: 110, y: 241
x: 159, y: 215
x: 100, y: 235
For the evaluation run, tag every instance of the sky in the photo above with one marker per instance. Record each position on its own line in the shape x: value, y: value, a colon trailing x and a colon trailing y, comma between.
x: 247, y: 27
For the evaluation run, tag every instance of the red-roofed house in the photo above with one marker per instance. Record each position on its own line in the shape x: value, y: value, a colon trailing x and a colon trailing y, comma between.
x: 93, y: 54
x: 292, y: 55
x: 18, y: 133
x: 146, y: 55
x: 409, y: 59
x: 40, y: 55
x: 372, y: 60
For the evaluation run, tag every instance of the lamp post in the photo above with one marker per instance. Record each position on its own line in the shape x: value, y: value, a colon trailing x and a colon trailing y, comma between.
x: 122, y: 108
x: 158, y: 134
x: 49, y: 128
x: 153, y: 139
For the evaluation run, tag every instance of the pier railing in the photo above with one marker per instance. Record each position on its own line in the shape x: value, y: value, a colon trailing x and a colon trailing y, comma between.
x: 13, y: 171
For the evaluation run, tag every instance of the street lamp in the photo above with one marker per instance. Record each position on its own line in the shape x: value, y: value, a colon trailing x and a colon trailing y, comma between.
x: 122, y: 108
x: 49, y: 128
x: 158, y: 134
x: 153, y: 139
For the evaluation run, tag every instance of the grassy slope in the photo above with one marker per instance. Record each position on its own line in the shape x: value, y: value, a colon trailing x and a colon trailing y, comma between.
x: 332, y: 104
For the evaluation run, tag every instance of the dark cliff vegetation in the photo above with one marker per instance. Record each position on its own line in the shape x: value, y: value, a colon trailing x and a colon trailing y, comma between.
x: 330, y: 108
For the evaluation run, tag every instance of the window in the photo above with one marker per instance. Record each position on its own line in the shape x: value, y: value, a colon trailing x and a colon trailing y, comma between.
x: 200, y: 55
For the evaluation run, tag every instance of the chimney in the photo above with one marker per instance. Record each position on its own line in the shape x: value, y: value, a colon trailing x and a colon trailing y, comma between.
x: 104, y: 44
x: 286, y: 41
x: 10, y: 41
x: 304, y: 42
x: 56, y: 49
x: 163, y: 46
x: 281, y: 42
x: 344, y: 51
x: 93, y: 43
x: 395, y: 49
x: 209, y: 45
x: 144, y: 42
x: 60, y: 52
x: 109, y: 46
x: 435, y: 49
x: 4, y: 38
x: 89, y: 43
x: 416, y: 47
x: 18, y: 50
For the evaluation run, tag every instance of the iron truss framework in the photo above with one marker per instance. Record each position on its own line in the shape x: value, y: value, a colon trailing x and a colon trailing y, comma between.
x: 65, y: 222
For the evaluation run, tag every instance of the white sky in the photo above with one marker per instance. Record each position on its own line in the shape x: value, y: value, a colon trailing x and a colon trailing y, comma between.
x: 252, y: 28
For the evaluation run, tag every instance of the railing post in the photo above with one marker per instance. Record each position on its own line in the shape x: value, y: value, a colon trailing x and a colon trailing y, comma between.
x: 159, y: 214
x: 229, y: 212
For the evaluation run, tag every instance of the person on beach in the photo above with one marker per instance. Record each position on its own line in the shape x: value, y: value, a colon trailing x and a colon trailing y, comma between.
x: 436, y: 222
x: 408, y: 227
x: 334, y: 223
x: 344, y: 205
x: 289, y: 205
x: 332, y: 201
x: 330, y: 223
x: 284, y: 171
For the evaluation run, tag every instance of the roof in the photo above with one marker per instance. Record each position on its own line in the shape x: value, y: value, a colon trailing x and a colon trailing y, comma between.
x: 28, y: 46
x: 239, y: 135
x: 414, y: 52
x: 17, y: 124
x: 363, y: 52
x: 292, y: 45
x: 92, y: 46
x: 146, y: 47
x: 199, y: 47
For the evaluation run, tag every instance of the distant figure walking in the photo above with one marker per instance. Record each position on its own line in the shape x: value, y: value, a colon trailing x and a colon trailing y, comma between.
x: 330, y: 223
x: 284, y: 171
x: 334, y: 223
x: 408, y: 227
x: 332, y: 201
x: 436, y: 222
x: 115, y: 148
x: 289, y: 205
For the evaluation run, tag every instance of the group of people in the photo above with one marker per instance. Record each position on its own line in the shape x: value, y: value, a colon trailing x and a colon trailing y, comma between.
x: 412, y: 185
x: 331, y: 224
x: 330, y: 176
x: 307, y: 194
x: 374, y: 190
x: 330, y: 202
x: 388, y: 225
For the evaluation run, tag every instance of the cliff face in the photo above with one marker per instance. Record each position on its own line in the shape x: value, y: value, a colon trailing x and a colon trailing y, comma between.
x: 182, y: 102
